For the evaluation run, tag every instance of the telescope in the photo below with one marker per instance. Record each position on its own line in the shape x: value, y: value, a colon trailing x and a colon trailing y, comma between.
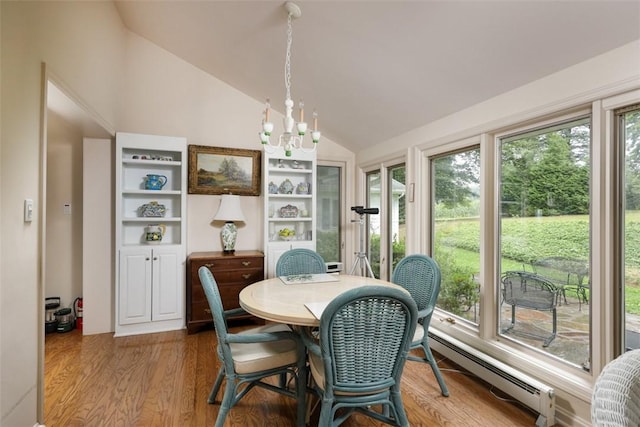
x: 360, y: 210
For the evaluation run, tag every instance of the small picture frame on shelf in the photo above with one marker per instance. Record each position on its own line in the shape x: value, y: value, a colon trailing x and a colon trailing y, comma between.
x: 221, y: 170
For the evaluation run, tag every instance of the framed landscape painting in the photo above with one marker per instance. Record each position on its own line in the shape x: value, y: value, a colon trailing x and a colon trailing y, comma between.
x: 221, y: 170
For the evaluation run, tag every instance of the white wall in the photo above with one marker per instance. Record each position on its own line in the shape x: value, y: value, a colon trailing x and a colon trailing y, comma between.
x: 165, y: 95
x: 131, y: 86
x: 582, y: 83
x: 63, y: 274
x: 87, y: 48
x: 605, y: 75
x: 97, y: 236
x: 82, y: 43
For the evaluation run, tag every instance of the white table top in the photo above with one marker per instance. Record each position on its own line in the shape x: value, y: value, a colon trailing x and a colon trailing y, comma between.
x: 273, y: 300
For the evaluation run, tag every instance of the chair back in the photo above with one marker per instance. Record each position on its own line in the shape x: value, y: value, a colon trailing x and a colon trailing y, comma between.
x: 528, y: 290
x: 616, y: 393
x: 212, y: 293
x: 365, y: 334
x: 300, y: 261
x: 420, y: 275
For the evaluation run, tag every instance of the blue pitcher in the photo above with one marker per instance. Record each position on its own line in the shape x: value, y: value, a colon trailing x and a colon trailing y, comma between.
x: 155, y: 182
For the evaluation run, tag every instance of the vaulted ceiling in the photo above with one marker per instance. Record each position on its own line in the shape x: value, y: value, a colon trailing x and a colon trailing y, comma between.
x: 376, y: 69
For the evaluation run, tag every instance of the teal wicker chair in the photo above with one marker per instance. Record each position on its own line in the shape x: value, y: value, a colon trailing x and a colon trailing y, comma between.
x: 420, y: 275
x: 252, y: 355
x: 357, y: 364
x: 300, y: 261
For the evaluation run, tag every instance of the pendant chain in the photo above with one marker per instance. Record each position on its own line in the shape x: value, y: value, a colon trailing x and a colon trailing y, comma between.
x: 287, y: 62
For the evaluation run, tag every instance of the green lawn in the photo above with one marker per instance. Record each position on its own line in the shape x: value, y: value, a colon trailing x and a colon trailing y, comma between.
x: 527, y: 239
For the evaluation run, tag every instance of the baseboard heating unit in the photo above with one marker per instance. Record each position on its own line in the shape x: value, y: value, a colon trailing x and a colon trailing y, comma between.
x: 529, y: 391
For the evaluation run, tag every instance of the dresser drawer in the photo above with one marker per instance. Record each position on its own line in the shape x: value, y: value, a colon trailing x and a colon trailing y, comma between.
x: 216, y: 265
x: 231, y: 272
x: 226, y: 290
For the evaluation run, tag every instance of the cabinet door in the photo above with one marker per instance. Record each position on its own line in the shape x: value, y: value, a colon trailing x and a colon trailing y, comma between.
x: 167, y: 289
x: 134, y: 296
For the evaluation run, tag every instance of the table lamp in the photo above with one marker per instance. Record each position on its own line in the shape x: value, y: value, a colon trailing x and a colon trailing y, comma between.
x: 229, y: 211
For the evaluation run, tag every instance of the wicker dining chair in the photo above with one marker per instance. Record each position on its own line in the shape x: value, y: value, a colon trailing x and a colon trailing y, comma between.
x: 357, y: 364
x: 300, y: 261
x: 615, y: 401
x: 250, y: 356
x: 420, y: 275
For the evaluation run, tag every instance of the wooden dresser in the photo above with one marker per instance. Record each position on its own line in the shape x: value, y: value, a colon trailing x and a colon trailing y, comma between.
x: 232, y: 273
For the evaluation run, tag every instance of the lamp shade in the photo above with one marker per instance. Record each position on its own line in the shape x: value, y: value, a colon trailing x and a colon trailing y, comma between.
x: 229, y: 209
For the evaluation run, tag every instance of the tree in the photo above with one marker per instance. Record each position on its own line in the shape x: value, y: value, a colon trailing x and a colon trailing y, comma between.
x: 547, y: 172
x: 456, y: 176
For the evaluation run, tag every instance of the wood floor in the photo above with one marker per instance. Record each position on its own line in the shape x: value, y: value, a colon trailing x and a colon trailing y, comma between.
x: 164, y: 380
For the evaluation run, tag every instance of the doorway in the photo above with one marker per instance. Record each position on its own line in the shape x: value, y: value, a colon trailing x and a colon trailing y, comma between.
x: 67, y: 125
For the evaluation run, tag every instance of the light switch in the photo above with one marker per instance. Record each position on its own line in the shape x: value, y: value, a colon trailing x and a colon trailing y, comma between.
x: 67, y: 208
x: 28, y: 210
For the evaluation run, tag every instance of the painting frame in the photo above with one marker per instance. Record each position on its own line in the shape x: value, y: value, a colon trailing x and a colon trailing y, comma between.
x: 206, y: 177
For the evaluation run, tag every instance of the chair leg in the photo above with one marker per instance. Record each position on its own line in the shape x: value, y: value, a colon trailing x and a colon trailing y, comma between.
x: 434, y: 367
x: 216, y: 386
x: 401, y: 415
x: 326, y: 413
x: 301, y: 393
x: 227, y: 402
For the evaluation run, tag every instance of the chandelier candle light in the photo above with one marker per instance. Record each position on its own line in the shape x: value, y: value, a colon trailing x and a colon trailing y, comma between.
x: 289, y: 140
x: 229, y: 211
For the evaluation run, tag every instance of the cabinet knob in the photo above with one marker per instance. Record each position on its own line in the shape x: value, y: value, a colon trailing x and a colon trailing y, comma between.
x: 246, y: 276
x: 147, y: 259
x: 246, y: 263
x: 208, y: 265
x: 207, y: 310
x: 155, y: 258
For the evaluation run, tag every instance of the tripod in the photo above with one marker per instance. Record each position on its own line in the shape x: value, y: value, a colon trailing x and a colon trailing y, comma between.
x: 361, y: 256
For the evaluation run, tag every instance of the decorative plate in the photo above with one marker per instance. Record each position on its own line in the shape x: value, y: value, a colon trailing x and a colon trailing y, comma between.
x: 288, y: 211
x: 152, y: 209
x: 286, y: 187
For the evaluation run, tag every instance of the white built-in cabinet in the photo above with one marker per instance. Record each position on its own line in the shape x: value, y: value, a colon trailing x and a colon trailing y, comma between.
x: 150, y: 274
x: 289, y: 188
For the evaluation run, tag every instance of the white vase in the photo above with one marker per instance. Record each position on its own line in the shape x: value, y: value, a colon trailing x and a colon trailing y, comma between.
x: 229, y: 233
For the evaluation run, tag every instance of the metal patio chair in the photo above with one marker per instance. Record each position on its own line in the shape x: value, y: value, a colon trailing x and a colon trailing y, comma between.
x: 532, y: 291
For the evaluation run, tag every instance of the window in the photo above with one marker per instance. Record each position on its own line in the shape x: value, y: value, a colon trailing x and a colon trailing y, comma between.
x: 545, y: 239
x: 372, y: 222
x: 396, y: 207
x: 329, y: 208
x: 629, y: 130
x: 387, y: 229
x: 456, y: 231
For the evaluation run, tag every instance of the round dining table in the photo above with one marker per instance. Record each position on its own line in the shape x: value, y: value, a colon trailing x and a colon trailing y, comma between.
x: 292, y: 303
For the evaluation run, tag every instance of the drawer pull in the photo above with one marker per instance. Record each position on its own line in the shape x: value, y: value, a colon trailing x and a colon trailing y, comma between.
x: 207, y: 310
x: 246, y: 263
x: 246, y: 276
x: 209, y: 265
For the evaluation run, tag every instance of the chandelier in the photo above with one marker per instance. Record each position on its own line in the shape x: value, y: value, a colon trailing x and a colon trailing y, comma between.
x: 289, y: 140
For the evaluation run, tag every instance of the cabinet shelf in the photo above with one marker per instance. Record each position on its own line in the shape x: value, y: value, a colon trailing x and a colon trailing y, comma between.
x: 290, y: 196
x: 160, y: 193
x: 150, y: 163
x: 289, y: 171
x: 153, y: 219
x: 296, y: 219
